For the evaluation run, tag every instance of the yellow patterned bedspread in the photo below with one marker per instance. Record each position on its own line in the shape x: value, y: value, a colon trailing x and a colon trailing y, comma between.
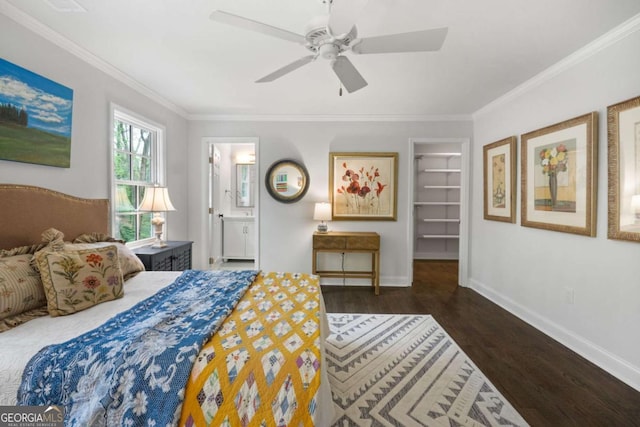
x: 262, y: 367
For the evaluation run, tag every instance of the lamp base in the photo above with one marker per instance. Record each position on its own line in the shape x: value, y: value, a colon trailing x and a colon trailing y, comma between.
x: 158, y: 222
x: 323, y: 228
x: 159, y: 244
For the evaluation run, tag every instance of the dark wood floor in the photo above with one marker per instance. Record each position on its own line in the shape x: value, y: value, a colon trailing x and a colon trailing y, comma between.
x: 547, y: 383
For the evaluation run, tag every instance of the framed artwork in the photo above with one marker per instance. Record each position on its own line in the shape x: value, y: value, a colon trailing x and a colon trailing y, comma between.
x: 559, y: 176
x: 500, y: 180
x: 287, y: 181
x: 623, y: 130
x: 35, y: 118
x: 363, y: 186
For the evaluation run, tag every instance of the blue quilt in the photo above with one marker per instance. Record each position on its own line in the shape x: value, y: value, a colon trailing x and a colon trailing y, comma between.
x: 133, y: 369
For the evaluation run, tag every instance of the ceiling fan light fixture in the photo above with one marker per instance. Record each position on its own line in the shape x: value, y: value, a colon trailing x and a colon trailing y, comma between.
x: 329, y: 51
x: 317, y: 33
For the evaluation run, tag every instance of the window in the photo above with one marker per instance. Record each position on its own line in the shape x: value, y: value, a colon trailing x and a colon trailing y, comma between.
x: 137, y: 163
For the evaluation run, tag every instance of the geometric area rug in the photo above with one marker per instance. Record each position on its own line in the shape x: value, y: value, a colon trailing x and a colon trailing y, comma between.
x: 405, y: 370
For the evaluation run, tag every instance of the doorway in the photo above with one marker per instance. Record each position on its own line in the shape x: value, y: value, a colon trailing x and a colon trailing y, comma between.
x: 233, y: 236
x: 439, y: 214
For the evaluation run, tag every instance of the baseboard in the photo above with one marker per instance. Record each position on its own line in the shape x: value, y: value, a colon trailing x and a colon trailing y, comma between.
x: 619, y: 368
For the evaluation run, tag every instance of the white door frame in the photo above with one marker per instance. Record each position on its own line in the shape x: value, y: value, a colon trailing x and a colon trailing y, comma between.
x: 208, y: 143
x: 465, y: 163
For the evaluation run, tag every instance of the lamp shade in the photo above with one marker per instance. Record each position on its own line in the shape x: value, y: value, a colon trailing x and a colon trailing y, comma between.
x: 322, y: 212
x: 123, y: 203
x: 156, y: 199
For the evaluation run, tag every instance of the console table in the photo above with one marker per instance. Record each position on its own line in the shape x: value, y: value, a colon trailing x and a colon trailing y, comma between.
x: 349, y: 242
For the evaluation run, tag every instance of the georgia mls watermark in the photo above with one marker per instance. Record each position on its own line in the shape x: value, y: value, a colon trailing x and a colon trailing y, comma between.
x: 32, y: 416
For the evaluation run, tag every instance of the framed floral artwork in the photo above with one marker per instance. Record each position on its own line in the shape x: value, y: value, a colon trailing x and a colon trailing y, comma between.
x: 500, y: 180
x: 623, y: 130
x: 363, y: 186
x: 559, y: 176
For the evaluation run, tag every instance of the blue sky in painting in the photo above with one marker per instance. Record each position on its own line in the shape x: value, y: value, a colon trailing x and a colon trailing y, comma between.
x: 47, y: 103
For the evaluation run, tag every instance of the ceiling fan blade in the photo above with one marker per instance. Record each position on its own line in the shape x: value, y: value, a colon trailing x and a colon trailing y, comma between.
x: 348, y: 75
x: 344, y: 14
x: 287, y: 69
x: 415, y: 41
x: 259, y: 27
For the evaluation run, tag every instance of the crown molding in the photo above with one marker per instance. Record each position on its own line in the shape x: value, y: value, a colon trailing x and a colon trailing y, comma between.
x: 56, y: 38
x: 610, y: 38
x: 328, y: 118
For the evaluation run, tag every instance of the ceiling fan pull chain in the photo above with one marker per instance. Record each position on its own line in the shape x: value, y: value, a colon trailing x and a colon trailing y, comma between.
x: 340, y: 91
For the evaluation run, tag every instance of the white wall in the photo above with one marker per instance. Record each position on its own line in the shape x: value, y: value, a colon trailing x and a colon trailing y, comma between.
x: 286, y: 229
x: 93, y: 90
x: 526, y: 269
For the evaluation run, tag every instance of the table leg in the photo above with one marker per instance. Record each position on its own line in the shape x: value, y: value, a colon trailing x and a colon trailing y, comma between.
x: 313, y: 262
x: 377, y: 272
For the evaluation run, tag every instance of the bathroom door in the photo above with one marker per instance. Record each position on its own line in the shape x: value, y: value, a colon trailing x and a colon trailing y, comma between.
x: 215, y: 206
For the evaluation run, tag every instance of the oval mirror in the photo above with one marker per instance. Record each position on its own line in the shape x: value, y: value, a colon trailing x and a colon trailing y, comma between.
x: 287, y: 181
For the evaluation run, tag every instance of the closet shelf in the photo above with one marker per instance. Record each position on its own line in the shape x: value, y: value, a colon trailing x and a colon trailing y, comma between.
x: 457, y: 221
x: 436, y: 203
x: 439, y: 236
x: 421, y: 155
x: 441, y: 170
x: 442, y: 187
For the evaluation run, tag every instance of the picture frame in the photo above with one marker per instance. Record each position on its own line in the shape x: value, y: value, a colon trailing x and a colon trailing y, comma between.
x: 499, y: 176
x: 559, y: 176
x: 363, y: 186
x: 35, y: 121
x: 287, y: 181
x: 623, y: 149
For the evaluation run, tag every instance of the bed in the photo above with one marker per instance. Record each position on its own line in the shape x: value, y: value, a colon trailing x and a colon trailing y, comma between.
x: 253, y: 354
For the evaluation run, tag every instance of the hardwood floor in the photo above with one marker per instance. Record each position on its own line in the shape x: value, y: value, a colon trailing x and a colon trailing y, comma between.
x: 547, y: 383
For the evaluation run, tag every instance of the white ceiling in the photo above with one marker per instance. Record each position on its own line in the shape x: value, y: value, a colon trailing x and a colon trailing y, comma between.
x: 207, y: 68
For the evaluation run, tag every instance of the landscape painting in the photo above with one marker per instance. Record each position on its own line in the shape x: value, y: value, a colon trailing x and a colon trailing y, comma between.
x: 35, y: 118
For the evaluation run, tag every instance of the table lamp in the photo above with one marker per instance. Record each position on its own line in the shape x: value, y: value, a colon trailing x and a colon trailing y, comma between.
x: 322, y: 212
x: 123, y: 203
x: 635, y: 206
x: 156, y: 200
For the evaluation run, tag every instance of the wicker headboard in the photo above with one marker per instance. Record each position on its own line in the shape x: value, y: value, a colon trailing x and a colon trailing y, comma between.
x: 26, y: 211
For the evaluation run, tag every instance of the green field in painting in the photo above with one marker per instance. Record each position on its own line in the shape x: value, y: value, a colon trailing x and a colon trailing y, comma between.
x: 29, y: 145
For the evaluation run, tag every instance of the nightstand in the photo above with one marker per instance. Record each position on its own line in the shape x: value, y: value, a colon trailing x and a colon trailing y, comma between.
x: 176, y: 256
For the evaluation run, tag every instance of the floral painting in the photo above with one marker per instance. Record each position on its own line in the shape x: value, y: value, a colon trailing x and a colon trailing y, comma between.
x: 559, y: 176
x: 363, y: 186
x: 555, y: 178
x: 498, y: 194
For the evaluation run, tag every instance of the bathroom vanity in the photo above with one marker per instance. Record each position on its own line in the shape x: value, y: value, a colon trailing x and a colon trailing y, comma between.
x: 238, y: 237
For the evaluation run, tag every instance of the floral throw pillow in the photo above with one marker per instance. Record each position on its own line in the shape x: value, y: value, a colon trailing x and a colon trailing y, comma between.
x: 75, y: 280
x: 130, y: 264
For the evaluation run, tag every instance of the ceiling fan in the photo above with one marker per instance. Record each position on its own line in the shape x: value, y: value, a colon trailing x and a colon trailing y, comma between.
x: 330, y: 36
